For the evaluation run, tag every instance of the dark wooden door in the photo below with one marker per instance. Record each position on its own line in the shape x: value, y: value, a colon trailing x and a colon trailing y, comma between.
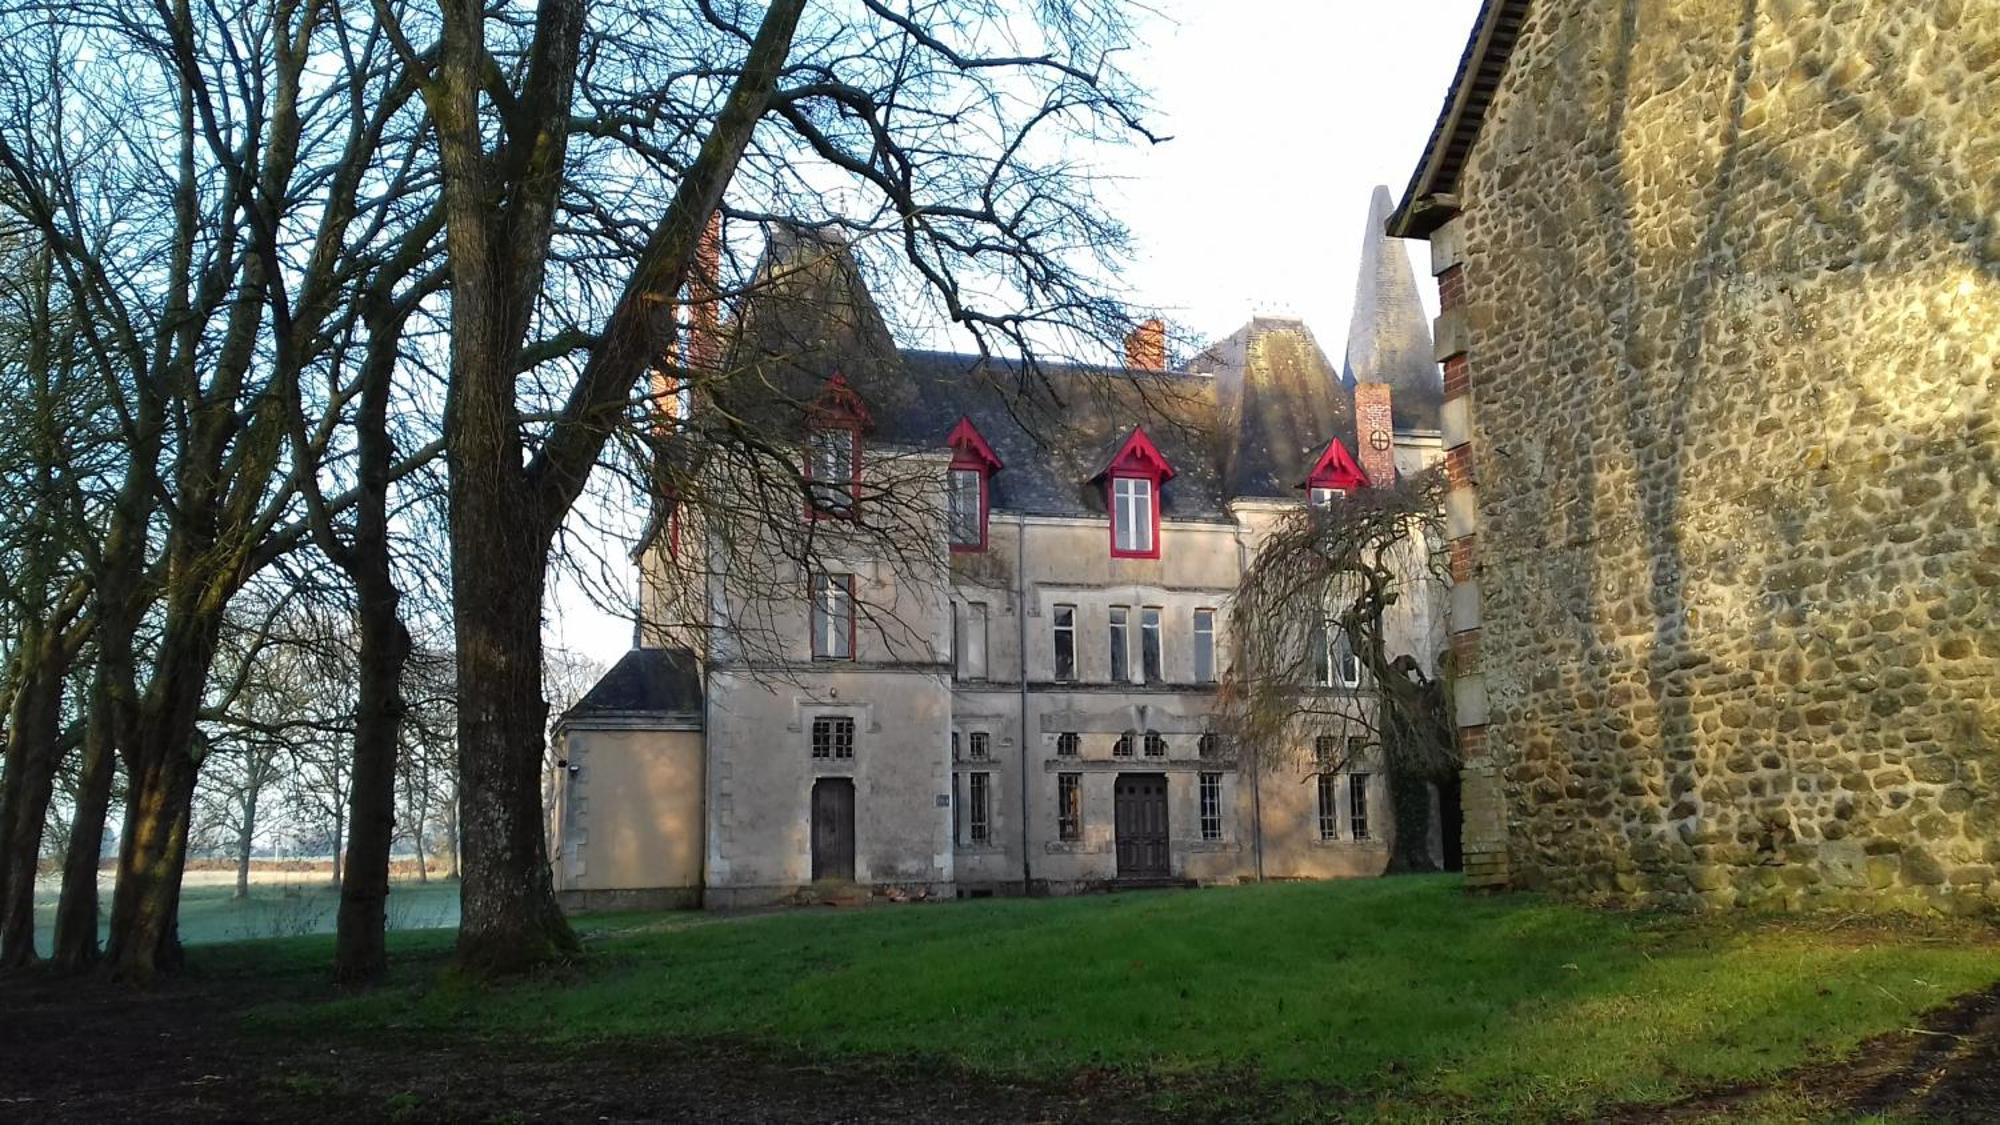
x: 1139, y: 803
x: 833, y: 828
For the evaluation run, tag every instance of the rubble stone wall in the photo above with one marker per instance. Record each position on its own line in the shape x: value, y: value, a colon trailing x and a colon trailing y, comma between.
x: 1732, y: 308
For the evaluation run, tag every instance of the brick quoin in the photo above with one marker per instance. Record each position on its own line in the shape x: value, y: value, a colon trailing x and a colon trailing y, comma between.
x: 1457, y: 376
x: 1465, y: 651
x: 1451, y: 289
x: 1458, y: 466
x: 1464, y: 558
x: 1472, y: 743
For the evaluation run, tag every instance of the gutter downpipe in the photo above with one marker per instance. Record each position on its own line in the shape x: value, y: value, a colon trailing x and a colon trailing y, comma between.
x: 1021, y: 664
x: 1256, y: 759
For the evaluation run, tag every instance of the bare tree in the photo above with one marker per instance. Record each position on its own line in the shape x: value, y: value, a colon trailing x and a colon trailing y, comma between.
x: 1328, y: 674
x: 939, y: 129
x: 214, y: 184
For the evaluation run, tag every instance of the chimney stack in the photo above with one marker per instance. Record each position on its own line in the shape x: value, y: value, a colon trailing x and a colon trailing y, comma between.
x: 1146, y: 346
x: 1375, y: 433
x: 704, y: 296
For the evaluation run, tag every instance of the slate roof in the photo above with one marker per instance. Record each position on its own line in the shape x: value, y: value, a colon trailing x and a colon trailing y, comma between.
x: 1389, y: 336
x: 645, y: 681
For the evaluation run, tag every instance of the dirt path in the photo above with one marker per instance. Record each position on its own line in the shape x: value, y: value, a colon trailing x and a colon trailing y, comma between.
x: 1947, y: 1068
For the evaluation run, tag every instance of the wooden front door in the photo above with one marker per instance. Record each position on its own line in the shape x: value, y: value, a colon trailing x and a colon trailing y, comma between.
x: 1139, y: 802
x: 833, y: 828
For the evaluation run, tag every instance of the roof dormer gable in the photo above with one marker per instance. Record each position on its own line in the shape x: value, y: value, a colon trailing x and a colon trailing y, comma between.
x: 839, y: 406
x: 969, y: 449
x: 1336, y: 469
x: 1138, y: 457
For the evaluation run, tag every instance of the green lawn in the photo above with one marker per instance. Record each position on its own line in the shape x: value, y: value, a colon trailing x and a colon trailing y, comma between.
x: 1405, y: 991
x: 211, y: 913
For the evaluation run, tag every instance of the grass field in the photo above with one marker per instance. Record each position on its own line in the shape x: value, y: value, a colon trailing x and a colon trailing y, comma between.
x: 1400, y: 992
x: 281, y: 904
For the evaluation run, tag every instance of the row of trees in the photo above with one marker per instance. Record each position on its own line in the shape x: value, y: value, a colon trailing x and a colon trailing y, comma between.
x: 344, y: 303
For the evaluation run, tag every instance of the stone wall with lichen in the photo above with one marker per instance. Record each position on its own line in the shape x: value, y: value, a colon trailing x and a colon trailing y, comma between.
x: 1733, y: 297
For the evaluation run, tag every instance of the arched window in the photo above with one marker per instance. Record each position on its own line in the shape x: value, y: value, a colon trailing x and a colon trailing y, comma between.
x: 1123, y: 747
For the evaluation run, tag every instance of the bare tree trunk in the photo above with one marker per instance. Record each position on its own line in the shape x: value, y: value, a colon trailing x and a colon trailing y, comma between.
x: 508, y: 917
x: 145, y: 906
x: 360, y: 956
x: 33, y: 746
x: 246, y: 834
x: 76, y: 912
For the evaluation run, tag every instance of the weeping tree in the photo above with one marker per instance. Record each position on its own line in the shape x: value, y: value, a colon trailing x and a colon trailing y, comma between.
x: 1332, y: 623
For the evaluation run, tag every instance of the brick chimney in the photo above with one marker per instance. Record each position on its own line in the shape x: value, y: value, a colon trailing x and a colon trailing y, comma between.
x: 1146, y: 346
x: 704, y: 296
x: 1375, y: 433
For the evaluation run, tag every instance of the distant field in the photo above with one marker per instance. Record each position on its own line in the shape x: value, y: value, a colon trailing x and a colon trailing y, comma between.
x: 281, y: 904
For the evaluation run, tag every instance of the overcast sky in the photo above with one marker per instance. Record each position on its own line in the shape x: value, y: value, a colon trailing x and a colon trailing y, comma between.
x: 1284, y: 115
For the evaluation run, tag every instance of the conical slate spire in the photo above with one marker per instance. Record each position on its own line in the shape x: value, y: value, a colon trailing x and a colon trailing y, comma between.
x: 1389, y: 338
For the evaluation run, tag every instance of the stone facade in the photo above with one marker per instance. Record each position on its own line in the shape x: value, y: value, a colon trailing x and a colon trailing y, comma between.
x: 973, y: 758
x: 1722, y: 327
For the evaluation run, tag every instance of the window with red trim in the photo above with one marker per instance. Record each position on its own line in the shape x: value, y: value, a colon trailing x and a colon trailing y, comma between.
x: 833, y: 451
x: 968, y: 487
x: 1133, y: 480
x: 1335, y: 475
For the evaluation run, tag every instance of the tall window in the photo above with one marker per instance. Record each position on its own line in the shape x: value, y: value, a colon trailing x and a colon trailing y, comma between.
x: 1149, y: 644
x: 835, y: 469
x: 833, y: 617
x: 1204, y: 646
x: 979, y: 746
x: 1065, y: 637
x: 1333, y: 658
x: 1123, y: 747
x: 833, y: 738
x: 1346, y: 665
x: 1132, y: 515
x: 1329, y: 815
x: 1121, y: 656
x: 1069, y: 806
x: 979, y: 816
x: 966, y: 508
x: 1211, y: 806
x: 1357, y: 804
x: 1067, y: 745
x: 1156, y: 746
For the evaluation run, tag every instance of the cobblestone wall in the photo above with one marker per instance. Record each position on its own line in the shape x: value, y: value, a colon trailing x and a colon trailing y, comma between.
x: 1732, y: 304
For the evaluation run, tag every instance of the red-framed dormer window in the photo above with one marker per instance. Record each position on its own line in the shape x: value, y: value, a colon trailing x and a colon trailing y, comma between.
x: 1132, y: 483
x: 1334, y: 476
x: 833, y: 451
x: 968, y: 486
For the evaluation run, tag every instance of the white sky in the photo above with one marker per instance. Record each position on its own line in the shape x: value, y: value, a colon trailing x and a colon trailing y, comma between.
x: 1284, y: 115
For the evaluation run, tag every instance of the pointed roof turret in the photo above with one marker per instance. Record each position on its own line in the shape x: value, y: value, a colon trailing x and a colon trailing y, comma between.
x: 1389, y: 338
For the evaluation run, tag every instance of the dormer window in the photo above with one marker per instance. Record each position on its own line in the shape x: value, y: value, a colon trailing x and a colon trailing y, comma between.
x: 835, y: 470
x: 1133, y: 516
x: 1132, y: 485
x: 968, y: 487
x: 833, y: 450
x: 1335, y: 475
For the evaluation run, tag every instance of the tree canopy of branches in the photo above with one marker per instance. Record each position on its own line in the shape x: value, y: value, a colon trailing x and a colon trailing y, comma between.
x: 300, y: 247
x: 926, y: 121
x: 1346, y: 582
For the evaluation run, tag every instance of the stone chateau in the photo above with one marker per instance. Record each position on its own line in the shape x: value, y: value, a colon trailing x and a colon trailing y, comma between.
x: 1011, y: 688
x: 1721, y: 290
